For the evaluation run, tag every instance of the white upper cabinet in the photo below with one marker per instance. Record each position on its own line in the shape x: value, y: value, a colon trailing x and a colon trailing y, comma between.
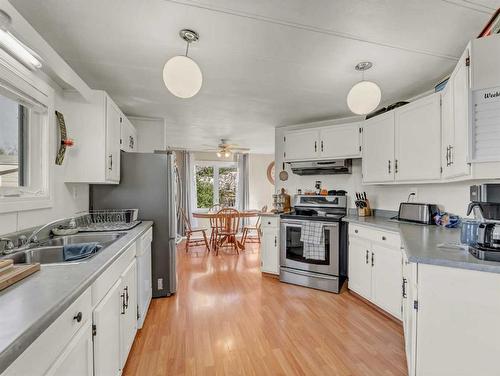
x: 378, y: 149
x: 128, y: 138
x: 340, y: 141
x: 328, y: 142
x: 301, y: 145
x: 418, y: 140
x: 455, y: 121
x: 96, y: 128
x: 113, y: 129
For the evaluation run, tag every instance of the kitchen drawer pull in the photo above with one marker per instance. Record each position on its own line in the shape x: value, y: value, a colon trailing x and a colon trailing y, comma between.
x: 321, y: 145
x: 275, y: 241
x: 315, y: 146
x: 123, y: 303
x: 126, y: 297
x: 367, y: 253
x: 356, y: 231
x: 78, y: 317
x: 404, y: 287
x: 111, y: 162
x: 389, y: 166
x: 384, y: 238
x: 373, y: 259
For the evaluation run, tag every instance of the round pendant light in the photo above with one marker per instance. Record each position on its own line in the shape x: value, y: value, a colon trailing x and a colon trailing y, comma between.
x: 364, y: 97
x: 181, y: 74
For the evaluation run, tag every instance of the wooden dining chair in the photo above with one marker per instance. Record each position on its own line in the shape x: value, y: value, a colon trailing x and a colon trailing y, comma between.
x: 227, y: 226
x: 256, y: 227
x: 190, y: 241
x: 213, y: 225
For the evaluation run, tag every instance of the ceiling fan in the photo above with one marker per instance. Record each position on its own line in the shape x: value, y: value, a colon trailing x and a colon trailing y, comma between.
x: 225, y: 149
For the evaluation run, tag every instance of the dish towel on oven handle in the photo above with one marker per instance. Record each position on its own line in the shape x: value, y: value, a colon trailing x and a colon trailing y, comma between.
x: 313, y: 239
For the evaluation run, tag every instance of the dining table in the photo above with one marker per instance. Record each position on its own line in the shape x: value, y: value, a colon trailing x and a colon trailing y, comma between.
x: 242, y: 214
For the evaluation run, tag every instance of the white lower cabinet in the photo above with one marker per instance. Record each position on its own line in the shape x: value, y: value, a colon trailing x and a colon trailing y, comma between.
x: 409, y: 313
x: 94, y: 335
x: 375, y: 267
x: 77, y: 358
x: 106, y: 318
x: 128, y: 311
x: 269, y: 247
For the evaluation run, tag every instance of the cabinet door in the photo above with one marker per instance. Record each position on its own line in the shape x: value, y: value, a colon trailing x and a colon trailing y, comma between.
x: 269, y: 252
x: 378, y: 149
x: 409, y: 313
x: 447, y: 129
x: 106, y: 319
x: 301, y: 145
x: 128, y: 310
x: 360, y: 269
x: 77, y: 358
x: 459, y: 151
x: 340, y: 141
x: 418, y: 140
x: 113, y: 129
x: 387, y: 278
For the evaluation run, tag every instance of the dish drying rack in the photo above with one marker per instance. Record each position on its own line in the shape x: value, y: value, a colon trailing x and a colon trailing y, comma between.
x: 108, y: 220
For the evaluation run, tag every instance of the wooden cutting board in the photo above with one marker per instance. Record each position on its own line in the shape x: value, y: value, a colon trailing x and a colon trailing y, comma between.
x: 16, y: 273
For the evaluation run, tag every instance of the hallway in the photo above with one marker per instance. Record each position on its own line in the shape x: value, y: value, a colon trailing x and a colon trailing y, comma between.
x: 227, y: 319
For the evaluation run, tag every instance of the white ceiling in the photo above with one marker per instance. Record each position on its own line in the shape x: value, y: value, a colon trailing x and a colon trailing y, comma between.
x: 265, y: 63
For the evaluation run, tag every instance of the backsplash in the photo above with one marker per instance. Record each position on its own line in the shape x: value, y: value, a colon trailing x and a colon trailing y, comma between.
x: 452, y: 197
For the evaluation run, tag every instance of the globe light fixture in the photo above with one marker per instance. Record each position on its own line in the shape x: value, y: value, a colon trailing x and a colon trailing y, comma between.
x: 181, y: 74
x: 364, y: 97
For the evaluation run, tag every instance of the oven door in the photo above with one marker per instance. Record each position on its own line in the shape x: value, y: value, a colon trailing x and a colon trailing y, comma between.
x: 292, y: 249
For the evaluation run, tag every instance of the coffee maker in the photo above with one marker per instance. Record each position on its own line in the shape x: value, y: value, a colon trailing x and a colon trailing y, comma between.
x: 488, y: 214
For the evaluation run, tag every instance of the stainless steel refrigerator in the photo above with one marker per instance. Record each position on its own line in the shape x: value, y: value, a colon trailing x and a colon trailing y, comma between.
x: 148, y: 183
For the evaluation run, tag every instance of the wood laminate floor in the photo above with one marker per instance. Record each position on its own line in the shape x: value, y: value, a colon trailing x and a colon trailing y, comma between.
x: 228, y: 319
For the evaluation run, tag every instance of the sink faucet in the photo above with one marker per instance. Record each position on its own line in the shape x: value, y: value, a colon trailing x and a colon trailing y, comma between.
x: 33, y: 238
x: 9, y: 246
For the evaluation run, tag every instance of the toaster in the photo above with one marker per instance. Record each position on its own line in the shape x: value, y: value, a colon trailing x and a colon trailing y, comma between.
x: 417, y: 212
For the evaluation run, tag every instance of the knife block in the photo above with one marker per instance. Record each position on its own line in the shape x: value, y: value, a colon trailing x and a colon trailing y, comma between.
x: 365, y: 212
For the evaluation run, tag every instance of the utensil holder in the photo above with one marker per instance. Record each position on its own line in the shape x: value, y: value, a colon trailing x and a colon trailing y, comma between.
x: 366, y: 211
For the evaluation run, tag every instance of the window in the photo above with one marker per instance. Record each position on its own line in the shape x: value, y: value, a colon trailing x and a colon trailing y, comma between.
x: 216, y: 183
x: 13, y: 143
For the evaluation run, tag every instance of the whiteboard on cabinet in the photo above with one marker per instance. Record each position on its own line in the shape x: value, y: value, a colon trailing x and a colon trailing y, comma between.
x: 485, y: 140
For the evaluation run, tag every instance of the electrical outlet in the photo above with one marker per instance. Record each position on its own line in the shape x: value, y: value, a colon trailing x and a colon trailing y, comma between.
x: 160, y: 283
x: 414, y: 191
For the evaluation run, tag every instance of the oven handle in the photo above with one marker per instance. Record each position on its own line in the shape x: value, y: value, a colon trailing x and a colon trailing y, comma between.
x: 299, y: 223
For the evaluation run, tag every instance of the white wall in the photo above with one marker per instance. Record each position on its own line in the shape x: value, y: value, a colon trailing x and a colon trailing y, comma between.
x: 69, y: 199
x: 452, y: 197
x: 151, y: 134
x: 261, y: 190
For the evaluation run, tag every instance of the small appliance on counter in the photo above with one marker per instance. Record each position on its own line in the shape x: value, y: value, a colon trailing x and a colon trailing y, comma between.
x: 419, y: 213
x: 487, y: 214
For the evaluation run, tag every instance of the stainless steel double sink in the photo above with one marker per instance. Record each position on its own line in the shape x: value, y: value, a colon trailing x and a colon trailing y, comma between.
x: 51, y: 251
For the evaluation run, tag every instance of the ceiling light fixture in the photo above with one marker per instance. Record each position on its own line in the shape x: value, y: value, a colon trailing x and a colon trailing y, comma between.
x: 181, y: 74
x: 15, y: 47
x: 364, y: 97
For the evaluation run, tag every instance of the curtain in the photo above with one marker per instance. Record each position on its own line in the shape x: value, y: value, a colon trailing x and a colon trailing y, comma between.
x: 187, y: 192
x: 243, y: 186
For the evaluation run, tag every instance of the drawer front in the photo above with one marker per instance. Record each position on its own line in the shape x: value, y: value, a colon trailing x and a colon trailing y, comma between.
x: 388, y: 238
x: 270, y: 221
x: 40, y: 355
x: 102, y: 285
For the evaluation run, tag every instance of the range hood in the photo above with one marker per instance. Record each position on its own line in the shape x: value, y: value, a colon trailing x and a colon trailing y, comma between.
x: 325, y: 167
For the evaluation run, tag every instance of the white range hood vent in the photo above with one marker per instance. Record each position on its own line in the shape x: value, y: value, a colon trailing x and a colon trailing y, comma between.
x: 325, y: 167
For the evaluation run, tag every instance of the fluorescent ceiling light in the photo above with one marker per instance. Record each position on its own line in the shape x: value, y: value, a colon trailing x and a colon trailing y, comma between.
x: 19, y: 50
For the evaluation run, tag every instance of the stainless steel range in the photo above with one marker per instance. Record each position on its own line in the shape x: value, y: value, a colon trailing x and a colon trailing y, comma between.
x: 324, y: 273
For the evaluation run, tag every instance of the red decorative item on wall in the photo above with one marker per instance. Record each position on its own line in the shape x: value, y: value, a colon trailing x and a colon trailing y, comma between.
x: 66, y: 142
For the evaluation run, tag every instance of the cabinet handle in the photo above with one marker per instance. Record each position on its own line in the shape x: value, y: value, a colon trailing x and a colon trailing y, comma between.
x: 404, y: 288
x: 78, y: 317
x: 315, y: 146
x: 447, y: 156
x: 396, y: 166
x: 111, y: 162
x: 373, y: 259
x: 383, y: 238
x: 356, y: 231
x: 123, y: 303
x: 389, y: 166
x: 451, y: 156
x: 275, y: 241
x: 321, y: 145
x: 131, y: 142
x: 367, y: 253
x: 126, y: 297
